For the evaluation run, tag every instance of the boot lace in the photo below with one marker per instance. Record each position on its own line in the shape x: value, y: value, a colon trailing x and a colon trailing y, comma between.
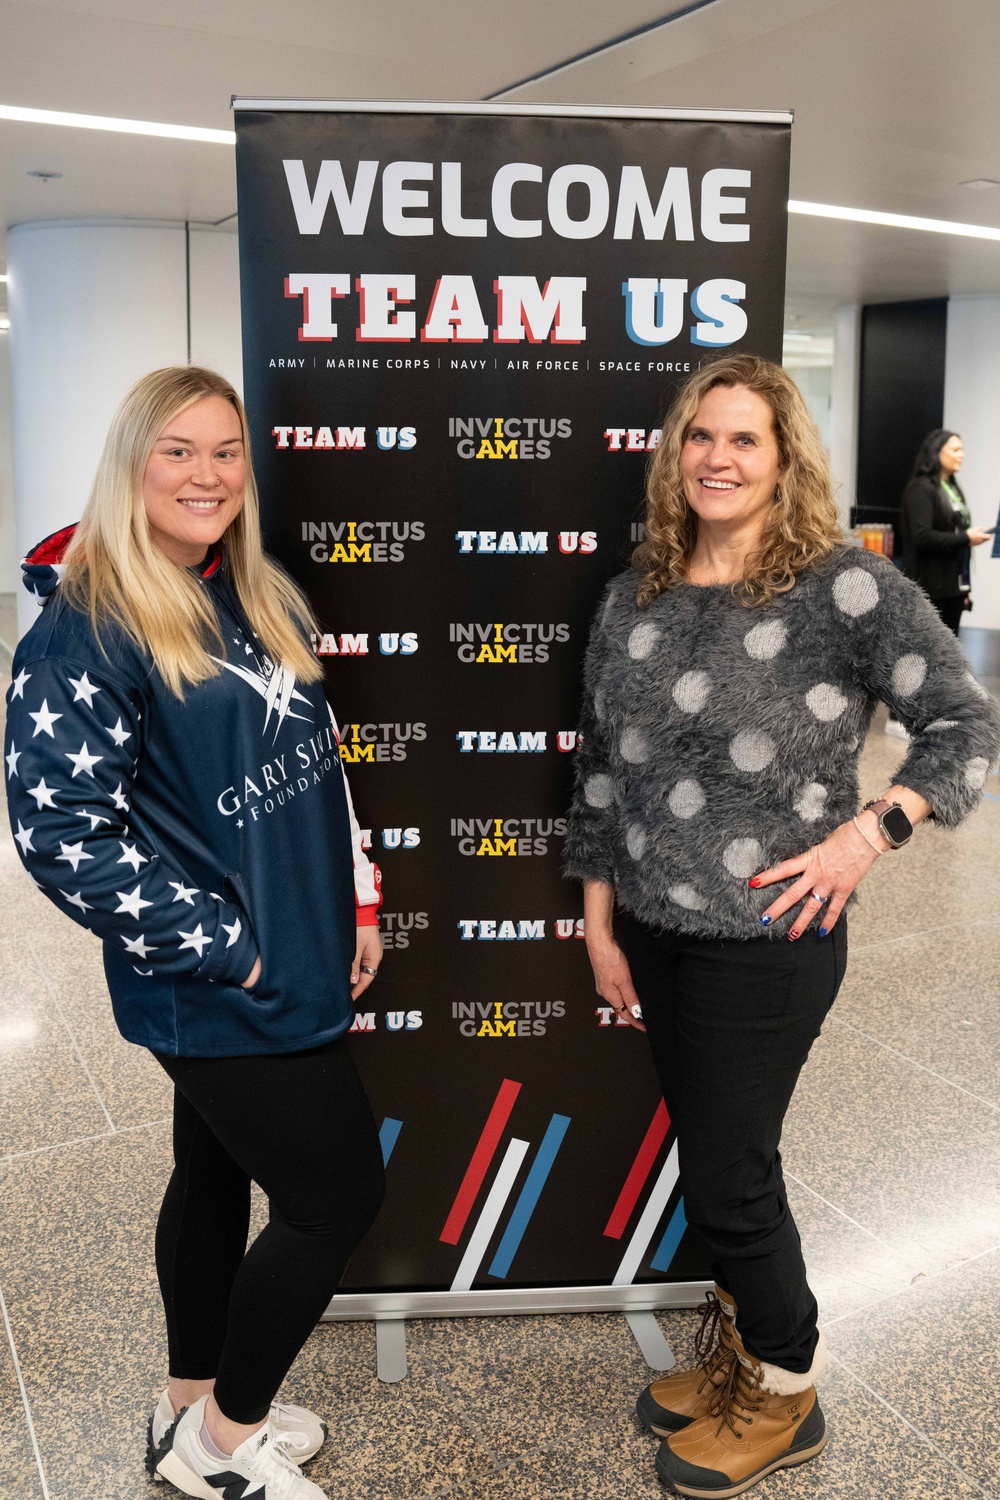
x: 738, y: 1397
x: 707, y: 1346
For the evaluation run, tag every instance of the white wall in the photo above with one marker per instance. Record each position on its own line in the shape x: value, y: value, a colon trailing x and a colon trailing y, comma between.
x: 94, y: 305
x: 972, y: 408
x: 9, y: 576
x: 844, y: 401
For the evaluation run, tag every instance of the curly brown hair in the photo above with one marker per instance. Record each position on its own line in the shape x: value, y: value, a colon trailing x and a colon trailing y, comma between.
x: 804, y: 527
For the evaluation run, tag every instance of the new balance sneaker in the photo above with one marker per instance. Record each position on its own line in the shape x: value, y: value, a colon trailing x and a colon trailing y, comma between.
x: 257, y: 1469
x: 299, y: 1433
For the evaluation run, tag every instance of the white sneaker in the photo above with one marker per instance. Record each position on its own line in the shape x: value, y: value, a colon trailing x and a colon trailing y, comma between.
x: 897, y: 730
x: 300, y: 1433
x: 256, y: 1470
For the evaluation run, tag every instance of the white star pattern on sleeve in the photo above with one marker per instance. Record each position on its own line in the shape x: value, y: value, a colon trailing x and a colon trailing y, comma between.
x: 95, y: 819
x: 13, y: 756
x: 139, y: 946
x: 17, y: 688
x: 196, y: 939
x: 234, y: 931
x: 184, y: 892
x: 42, y: 794
x: 23, y: 837
x: 118, y: 798
x: 83, y: 760
x: 119, y: 734
x: 73, y: 854
x: 131, y: 856
x: 44, y: 720
x: 85, y: 689
x: 76, y: 899
x: 131, y: 902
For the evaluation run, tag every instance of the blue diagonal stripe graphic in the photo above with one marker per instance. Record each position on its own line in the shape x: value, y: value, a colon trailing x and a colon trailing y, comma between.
x: 667, y: 1248
x: 530, y: 1194
x: 388, y: 1136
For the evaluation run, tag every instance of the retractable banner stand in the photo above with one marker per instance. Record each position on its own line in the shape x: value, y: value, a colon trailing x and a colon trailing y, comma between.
x: 462, y: 327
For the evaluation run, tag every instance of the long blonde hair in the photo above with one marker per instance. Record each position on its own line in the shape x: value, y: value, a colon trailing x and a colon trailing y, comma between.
x: 803, y: 527
x: 116, y: 573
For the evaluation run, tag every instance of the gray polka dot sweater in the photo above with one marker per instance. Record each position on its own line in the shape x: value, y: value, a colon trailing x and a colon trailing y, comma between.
x: 718, y: 740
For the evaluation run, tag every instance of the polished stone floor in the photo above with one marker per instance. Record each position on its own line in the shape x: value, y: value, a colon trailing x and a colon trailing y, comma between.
x: 892, y: 1152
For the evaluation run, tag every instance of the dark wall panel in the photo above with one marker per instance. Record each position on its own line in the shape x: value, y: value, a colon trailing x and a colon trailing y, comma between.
x: 901, y: 397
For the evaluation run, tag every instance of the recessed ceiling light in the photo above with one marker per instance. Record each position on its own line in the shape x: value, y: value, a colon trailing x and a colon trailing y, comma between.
x: 107, y: 122
x: 980, y: 182
x: 892, y: 221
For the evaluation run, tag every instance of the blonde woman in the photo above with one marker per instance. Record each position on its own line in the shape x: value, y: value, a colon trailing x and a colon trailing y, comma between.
x: 175, y: 787
x: 730, y: 681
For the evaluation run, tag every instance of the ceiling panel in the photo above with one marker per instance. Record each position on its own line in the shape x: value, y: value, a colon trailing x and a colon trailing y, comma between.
x: 896, y: 101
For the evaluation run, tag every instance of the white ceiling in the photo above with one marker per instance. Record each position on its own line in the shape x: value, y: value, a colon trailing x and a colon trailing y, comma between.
x: 896, y: 101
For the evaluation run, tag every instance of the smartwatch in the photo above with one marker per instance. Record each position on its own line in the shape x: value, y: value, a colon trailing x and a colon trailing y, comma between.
x: 893, y: 824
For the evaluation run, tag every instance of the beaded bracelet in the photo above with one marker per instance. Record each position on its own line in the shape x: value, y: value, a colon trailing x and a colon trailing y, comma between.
x: 865, y: 837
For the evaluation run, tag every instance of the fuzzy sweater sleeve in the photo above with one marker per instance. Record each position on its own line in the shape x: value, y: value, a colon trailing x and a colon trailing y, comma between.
x: 913, y: 663
x: 593, y: 813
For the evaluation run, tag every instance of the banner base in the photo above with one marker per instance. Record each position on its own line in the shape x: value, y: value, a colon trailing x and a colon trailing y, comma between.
x: 646, y: 1297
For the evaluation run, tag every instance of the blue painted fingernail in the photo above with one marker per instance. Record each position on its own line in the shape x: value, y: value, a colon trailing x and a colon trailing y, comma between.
x: 822, y: 932
x: 765, y: 921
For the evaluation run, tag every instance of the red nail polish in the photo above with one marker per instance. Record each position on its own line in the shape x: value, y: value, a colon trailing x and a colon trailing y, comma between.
x: 792, y: 936
x: 755, y: 882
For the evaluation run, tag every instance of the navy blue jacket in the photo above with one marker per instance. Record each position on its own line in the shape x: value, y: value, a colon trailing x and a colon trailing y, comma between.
x: 190, y: 836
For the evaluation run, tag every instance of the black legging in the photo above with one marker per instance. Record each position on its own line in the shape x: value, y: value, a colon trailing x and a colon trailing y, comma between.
x: 298, y: 1124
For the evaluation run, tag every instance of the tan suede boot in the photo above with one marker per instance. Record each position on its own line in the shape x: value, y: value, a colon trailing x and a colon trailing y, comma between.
x: 760, y: 1419
x: 670, y: 1404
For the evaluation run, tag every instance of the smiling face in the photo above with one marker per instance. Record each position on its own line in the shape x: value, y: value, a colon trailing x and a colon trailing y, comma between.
x: 951, y: 456
x: 730, y: 462
x: 192, y: 487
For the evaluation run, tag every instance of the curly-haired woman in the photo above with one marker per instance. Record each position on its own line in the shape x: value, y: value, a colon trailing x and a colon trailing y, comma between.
x: 730, y: 681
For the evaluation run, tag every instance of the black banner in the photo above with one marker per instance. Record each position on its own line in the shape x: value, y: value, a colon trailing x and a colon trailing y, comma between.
x: 461, y: 332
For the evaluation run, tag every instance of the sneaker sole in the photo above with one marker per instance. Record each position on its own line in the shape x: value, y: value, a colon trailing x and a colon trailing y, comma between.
x: 725, y: 1492
x: 175, y: 1471
x: 154, y: 1452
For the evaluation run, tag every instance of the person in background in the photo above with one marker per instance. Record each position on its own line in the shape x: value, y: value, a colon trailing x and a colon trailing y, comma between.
x: 938, y: 533
x: 175, y: 786
x: 730, y: 681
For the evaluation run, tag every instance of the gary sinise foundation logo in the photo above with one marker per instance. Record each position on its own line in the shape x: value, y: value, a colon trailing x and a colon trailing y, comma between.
x: 360, y: 541
x: 498, y: 838
x: 508, y: 437
x: 514, y: 645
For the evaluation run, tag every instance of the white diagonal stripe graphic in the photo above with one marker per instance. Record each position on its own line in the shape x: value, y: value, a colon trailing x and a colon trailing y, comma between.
x: 650, y: 1217
x: 490, y: 1216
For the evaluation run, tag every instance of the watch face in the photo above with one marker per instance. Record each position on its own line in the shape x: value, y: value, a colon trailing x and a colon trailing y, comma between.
x: 895, y: 825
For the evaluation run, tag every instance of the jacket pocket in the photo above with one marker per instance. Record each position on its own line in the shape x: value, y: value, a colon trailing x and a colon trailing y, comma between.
x: 234, y: 891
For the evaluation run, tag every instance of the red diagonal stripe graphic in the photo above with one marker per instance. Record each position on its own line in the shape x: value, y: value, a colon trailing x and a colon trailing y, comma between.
x: 480, y: 1163
x: 640, y: 1170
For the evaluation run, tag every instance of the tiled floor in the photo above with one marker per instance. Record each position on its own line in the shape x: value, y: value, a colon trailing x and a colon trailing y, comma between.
x: 892, y: 1151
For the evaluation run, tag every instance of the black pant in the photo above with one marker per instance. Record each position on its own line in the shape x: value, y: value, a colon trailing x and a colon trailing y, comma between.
x: 951, y: 611
x: 301, y: 1127
x: 730, y: 1024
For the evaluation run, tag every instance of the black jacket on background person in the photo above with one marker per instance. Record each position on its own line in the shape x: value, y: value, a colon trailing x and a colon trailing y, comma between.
x: 935, y: 542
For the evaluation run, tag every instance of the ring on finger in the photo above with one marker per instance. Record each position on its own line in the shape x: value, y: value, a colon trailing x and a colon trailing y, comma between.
x: 821, y: 899
x: 366, y: 970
